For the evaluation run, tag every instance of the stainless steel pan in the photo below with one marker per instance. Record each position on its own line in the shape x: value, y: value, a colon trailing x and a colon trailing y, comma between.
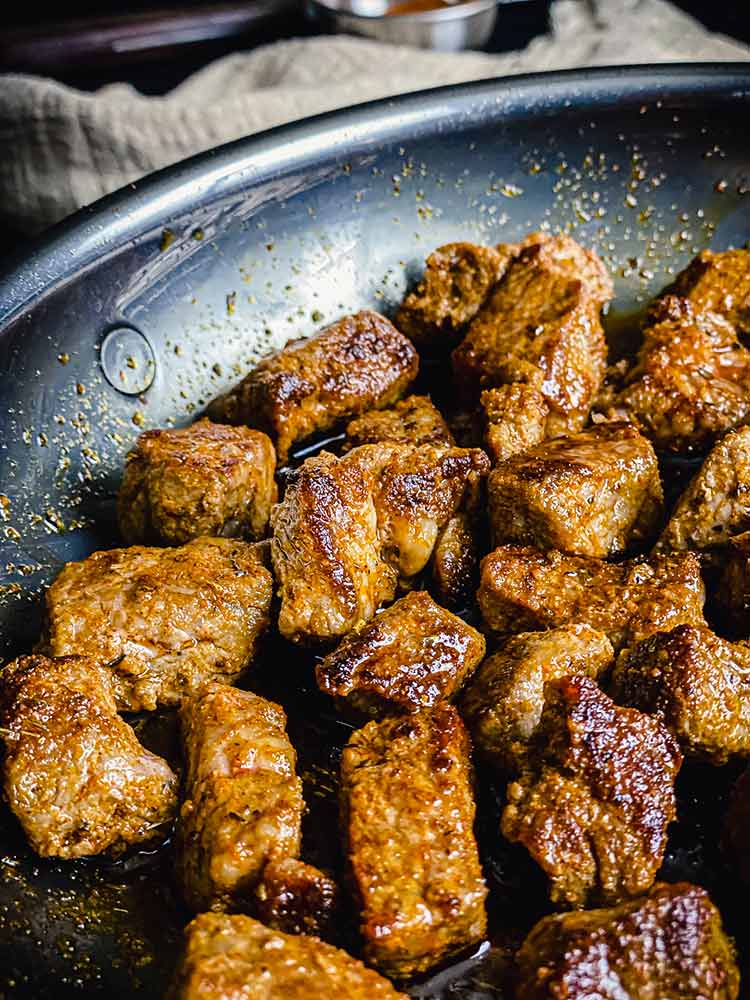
x: 205, y: 266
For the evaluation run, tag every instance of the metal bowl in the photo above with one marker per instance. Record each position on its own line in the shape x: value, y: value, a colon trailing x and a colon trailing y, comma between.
x: 451, y: 28
x: 215, y: 261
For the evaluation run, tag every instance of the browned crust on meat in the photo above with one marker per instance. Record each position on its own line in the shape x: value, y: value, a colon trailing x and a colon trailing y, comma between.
x: 409, y: 657
x: 455, y: 560
x: 349, y: 528
x: 541, y: 326
x: 414, y: 420
x: 503, y: 702
x: 237, y: 958
x: 523, y: 589
x: 716, y: 504
x: 595, y: 493
x: 243, y: 805
x: 720, y: 283
x: 516, y: 419
x: 595, y: 798
x: 74, y: 773
x: 297, y: 898
x: 690, y: 383
x: 207, y: 479
x: 457, y: 279
x: 697, y: 683
x: 358, y: 363
x: 166, y: 620
x: 669, y: 943
x: 408, y: 817
x: 326, y: 551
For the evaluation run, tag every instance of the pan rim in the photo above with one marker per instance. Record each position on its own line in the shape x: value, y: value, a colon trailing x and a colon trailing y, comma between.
x: 79, y: 242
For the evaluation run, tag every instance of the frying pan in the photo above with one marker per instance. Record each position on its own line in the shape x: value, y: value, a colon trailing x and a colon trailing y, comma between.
x: 139, y: 310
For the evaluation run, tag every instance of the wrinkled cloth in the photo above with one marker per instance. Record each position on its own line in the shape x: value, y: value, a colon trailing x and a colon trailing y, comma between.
x: 64, y: 148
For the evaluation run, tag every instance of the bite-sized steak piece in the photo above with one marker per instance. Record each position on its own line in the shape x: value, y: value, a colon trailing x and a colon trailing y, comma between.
x: 733, y: 589
x: 417, y: 422
x: 326, y: 550
x: 410, y: 656
x: 457, y: 279
x: 414, y: 420
x: 349, y: 528
x: 541, y: 325
x: 516, y: 419
x: 523, y: 589
x: 595, y: 493
x: 503, y: 702
x: 207, y: 479
x: 668, y: 945
x: 595, y: 795
x: 455, y: 559
x: 691, y: 381
x: 720, y: 283
x: 243, y: 805
x: 74, y: 773
x: 234, y: 957
x: 408, y: 817
x: 697, y: 683
x: 166, y: 620
x: 356, y: 364
x: 297, y: 898
x: 417, y: 491
x: 716, y: 504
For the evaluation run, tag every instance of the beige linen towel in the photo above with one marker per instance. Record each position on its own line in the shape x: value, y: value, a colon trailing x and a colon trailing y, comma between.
x: 63, y: 149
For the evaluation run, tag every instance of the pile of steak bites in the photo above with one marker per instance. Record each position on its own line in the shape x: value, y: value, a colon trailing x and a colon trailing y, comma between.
x: 534, y: 506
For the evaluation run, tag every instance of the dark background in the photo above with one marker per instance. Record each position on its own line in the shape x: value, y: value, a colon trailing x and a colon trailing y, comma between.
x: 154, y: 45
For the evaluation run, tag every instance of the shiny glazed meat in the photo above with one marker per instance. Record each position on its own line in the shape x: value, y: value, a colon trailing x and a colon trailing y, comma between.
x: 716, y: 503
x: 541, y: 326
x: 417, y: 422
x: 516, y: 419
x: 522, y: 589
x: 237, y: 958
x: 166, y: 620
x: 74, y: 773
x: 207, y: 479
x: 413, y: 420
x: 358, y: 363
x: 503, y: 702
x: 720, y: 283
x: 408, y: 657
x: 595, y: 493
x: 595, y: 797
x: 457, y: 279
x: 243, y: 804
x: 408, y: 816
x: 455, y: 559
x: 349, y: 528
x: 417, y: 491
x: 297, y: 898
x: 691, y: 382
x: 668, y: 945
x: 697, y: 683
x: 326, y: 550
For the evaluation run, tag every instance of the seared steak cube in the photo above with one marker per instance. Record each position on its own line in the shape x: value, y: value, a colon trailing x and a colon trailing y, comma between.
x: 595, y: 493
x: 595, y: 797
x: 208, y: 479
x: 410, y: 656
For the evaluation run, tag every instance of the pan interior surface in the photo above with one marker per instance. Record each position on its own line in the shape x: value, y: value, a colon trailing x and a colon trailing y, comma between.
x: 216, y: 262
